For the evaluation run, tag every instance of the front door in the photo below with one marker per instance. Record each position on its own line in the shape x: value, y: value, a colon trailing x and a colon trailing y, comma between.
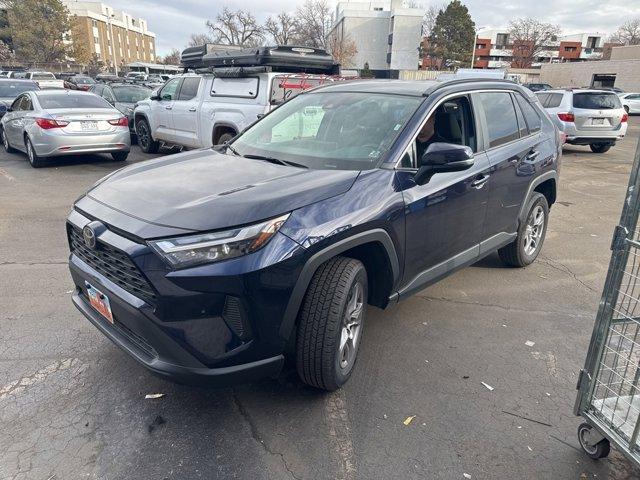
x: 161, y: 120
x: 445, y: 216
x: 185, y: 113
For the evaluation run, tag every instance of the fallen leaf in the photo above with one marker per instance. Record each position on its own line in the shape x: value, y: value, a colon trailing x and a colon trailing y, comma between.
x: 529, y: 343
x: 408, y: 420
x: 466, y: 475
x: 153, y: 395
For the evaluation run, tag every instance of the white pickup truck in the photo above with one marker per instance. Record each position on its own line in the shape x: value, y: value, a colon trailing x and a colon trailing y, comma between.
x: 43, y: 79
x: 197, y: 111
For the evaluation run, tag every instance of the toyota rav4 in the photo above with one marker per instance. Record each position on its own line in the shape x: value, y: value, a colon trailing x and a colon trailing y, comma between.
x: 211, y: 265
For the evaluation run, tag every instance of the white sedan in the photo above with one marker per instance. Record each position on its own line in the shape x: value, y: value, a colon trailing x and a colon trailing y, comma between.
x: 630, y: 102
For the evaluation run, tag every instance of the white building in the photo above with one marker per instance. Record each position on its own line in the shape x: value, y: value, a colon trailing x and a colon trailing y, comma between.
x: 386, y: 33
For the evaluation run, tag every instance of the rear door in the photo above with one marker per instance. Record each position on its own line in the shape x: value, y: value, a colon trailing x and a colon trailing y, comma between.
x: 185, y: 113
x: 161, y: 118
x: 15, y: 121
x: 597, y: 111
x: 514, y: 153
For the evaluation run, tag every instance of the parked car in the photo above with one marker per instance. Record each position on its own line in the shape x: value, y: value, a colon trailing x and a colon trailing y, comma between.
x: 108, y: 78
x: 203, y: 110
x: 132, y: 77
x: 536, y: 87
x: 11, y: 73
x: 207, y: 266
x: 123, y: 96
x: 50, y: 123
x: 587, y: 117
x: 630, y: 102
x: 153, y: 81
x: 79, y: 82
x: 11, y: 88
x: 66, y: 75
x: 43, y: 79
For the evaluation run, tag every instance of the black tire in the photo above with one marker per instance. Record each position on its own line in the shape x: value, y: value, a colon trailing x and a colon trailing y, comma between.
x: 333, y: 292
x: 597, y: 451
x: 518, y: 253
x: 599, y: 147
x: 120, y: 156
x: 34, y: 160
x: 5, y: 142
x: 224, y: 138
x: 145, y: 140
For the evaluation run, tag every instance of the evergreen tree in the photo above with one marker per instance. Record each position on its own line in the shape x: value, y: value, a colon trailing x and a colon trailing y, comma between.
x: 453, y: 35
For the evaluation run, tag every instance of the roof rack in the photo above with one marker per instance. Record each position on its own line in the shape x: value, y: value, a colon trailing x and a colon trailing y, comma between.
x: 440, y: 84
x: 291, y: 59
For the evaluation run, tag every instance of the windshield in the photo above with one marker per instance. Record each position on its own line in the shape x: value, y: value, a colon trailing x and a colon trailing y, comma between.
x: 15, y: 89
x: 72, y: 101
x: 330, y: 130
x: 43, y: 76
x: 596, y: 101
x: 84, y: 80
x: 131, y: 94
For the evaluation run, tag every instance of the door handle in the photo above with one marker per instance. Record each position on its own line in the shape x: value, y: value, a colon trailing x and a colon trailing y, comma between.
x: 192, y: 109
x: 533, y: 154
x: 168, y: 107
x: 480, y: 181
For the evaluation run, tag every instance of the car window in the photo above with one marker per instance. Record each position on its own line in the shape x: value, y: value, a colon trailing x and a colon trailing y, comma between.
x: 42, y: 76
x: 530, y: 114
x: 13, y: 89
x: 52, y: 101
x: 108, y: 96
x: 235, y: 87
x: 170, y: 89
x: 554, y: 100
x: 131, y: 93
x: 16, y: 105
x: 596, y: 100
x: 285, y: 87
x: 634, y: 96
x: 500, y: 116
x: 26, y: 103
x: 522, y: 125
x: 97, y: 89
x: 542, y: 97
x: 331, y: 130
x: 189, y: 88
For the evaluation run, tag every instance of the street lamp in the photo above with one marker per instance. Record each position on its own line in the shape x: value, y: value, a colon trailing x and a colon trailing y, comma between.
x: 113, y: 43
x: 475, y: 41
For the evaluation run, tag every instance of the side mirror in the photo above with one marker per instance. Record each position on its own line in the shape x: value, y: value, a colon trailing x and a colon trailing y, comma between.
x: 9, y: 109
x: 443, y: 157
x: 154, y: 95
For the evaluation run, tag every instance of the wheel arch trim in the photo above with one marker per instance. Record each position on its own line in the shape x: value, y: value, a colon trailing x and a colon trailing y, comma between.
x: 551, y: 175
x: 309, y: 269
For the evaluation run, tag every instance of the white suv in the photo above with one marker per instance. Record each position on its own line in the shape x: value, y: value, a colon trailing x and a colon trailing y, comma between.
x: 198, y: 111
x: 586, y: 117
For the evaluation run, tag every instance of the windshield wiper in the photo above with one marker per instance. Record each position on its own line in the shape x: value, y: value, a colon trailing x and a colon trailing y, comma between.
x: 275, y: 160
x: 228, y: 146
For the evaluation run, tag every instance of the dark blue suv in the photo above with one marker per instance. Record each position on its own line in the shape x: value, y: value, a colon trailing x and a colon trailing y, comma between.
x: 209, y: 266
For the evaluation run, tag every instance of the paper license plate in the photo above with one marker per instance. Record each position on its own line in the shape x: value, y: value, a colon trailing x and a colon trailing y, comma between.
x: 89, y: 125
x: 99, y: 301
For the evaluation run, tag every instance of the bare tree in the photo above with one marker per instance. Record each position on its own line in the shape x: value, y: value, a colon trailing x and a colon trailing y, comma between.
x: 314, y: 22
x: 237, y: 27
x: 529, y: 38
x: 429, y: 19
x: 283, y: 29
x: 199, y: 39
x: 172, y: 58
x: 628, y: 33
x: 343, y: 49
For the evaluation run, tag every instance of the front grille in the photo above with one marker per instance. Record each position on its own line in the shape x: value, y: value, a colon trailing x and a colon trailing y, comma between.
x: 114, y: 265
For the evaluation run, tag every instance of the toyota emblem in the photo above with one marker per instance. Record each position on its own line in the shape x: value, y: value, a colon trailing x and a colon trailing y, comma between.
x: 89, y: 235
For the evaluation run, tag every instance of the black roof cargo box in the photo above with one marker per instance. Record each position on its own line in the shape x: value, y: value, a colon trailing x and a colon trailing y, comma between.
x: 278, y: 58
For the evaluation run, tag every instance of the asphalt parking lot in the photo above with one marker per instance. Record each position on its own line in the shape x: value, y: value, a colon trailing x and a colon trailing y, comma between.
x: 72, y: 405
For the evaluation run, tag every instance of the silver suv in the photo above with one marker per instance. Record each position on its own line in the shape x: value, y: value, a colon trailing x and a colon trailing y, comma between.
x: 586, y: 117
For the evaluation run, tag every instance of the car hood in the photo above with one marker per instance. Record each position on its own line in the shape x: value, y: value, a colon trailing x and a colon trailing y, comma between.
x: 205, y: 190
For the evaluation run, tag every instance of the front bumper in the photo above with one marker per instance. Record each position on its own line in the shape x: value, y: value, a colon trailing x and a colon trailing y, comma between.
x: 187, y: 329
x: 51, y: 143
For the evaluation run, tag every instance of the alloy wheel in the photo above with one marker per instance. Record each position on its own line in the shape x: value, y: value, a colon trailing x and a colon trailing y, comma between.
x: 5, y: 141
x: 534, y: 231
x: 351, y: 326
x: 143, y: 135
x: 30, y: 151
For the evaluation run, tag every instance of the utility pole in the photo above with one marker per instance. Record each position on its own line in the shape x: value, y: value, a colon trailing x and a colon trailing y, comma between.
x: 475, y: 41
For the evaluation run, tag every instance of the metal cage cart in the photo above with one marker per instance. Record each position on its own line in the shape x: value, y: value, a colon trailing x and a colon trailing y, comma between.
x: 609, y: 384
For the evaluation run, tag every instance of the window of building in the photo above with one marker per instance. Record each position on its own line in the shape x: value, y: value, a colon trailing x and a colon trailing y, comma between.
x: 96, y: 40
x: 377, y: 9
x: 94, y: 23
x: 570, y: 49
x: 503, y: 127
x: 502, y: 39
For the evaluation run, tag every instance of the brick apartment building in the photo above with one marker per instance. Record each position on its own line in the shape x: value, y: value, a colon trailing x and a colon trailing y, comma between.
x: 495, y: 49
x: 114, y: 36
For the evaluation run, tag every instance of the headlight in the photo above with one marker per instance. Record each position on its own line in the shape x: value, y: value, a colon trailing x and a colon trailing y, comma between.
x: 217, y: 246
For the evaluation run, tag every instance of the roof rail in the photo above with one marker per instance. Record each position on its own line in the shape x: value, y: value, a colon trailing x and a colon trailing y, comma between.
x: 457, y: 81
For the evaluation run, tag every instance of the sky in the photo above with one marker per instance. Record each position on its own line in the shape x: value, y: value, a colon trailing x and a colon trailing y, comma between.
x: 173, y: 21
